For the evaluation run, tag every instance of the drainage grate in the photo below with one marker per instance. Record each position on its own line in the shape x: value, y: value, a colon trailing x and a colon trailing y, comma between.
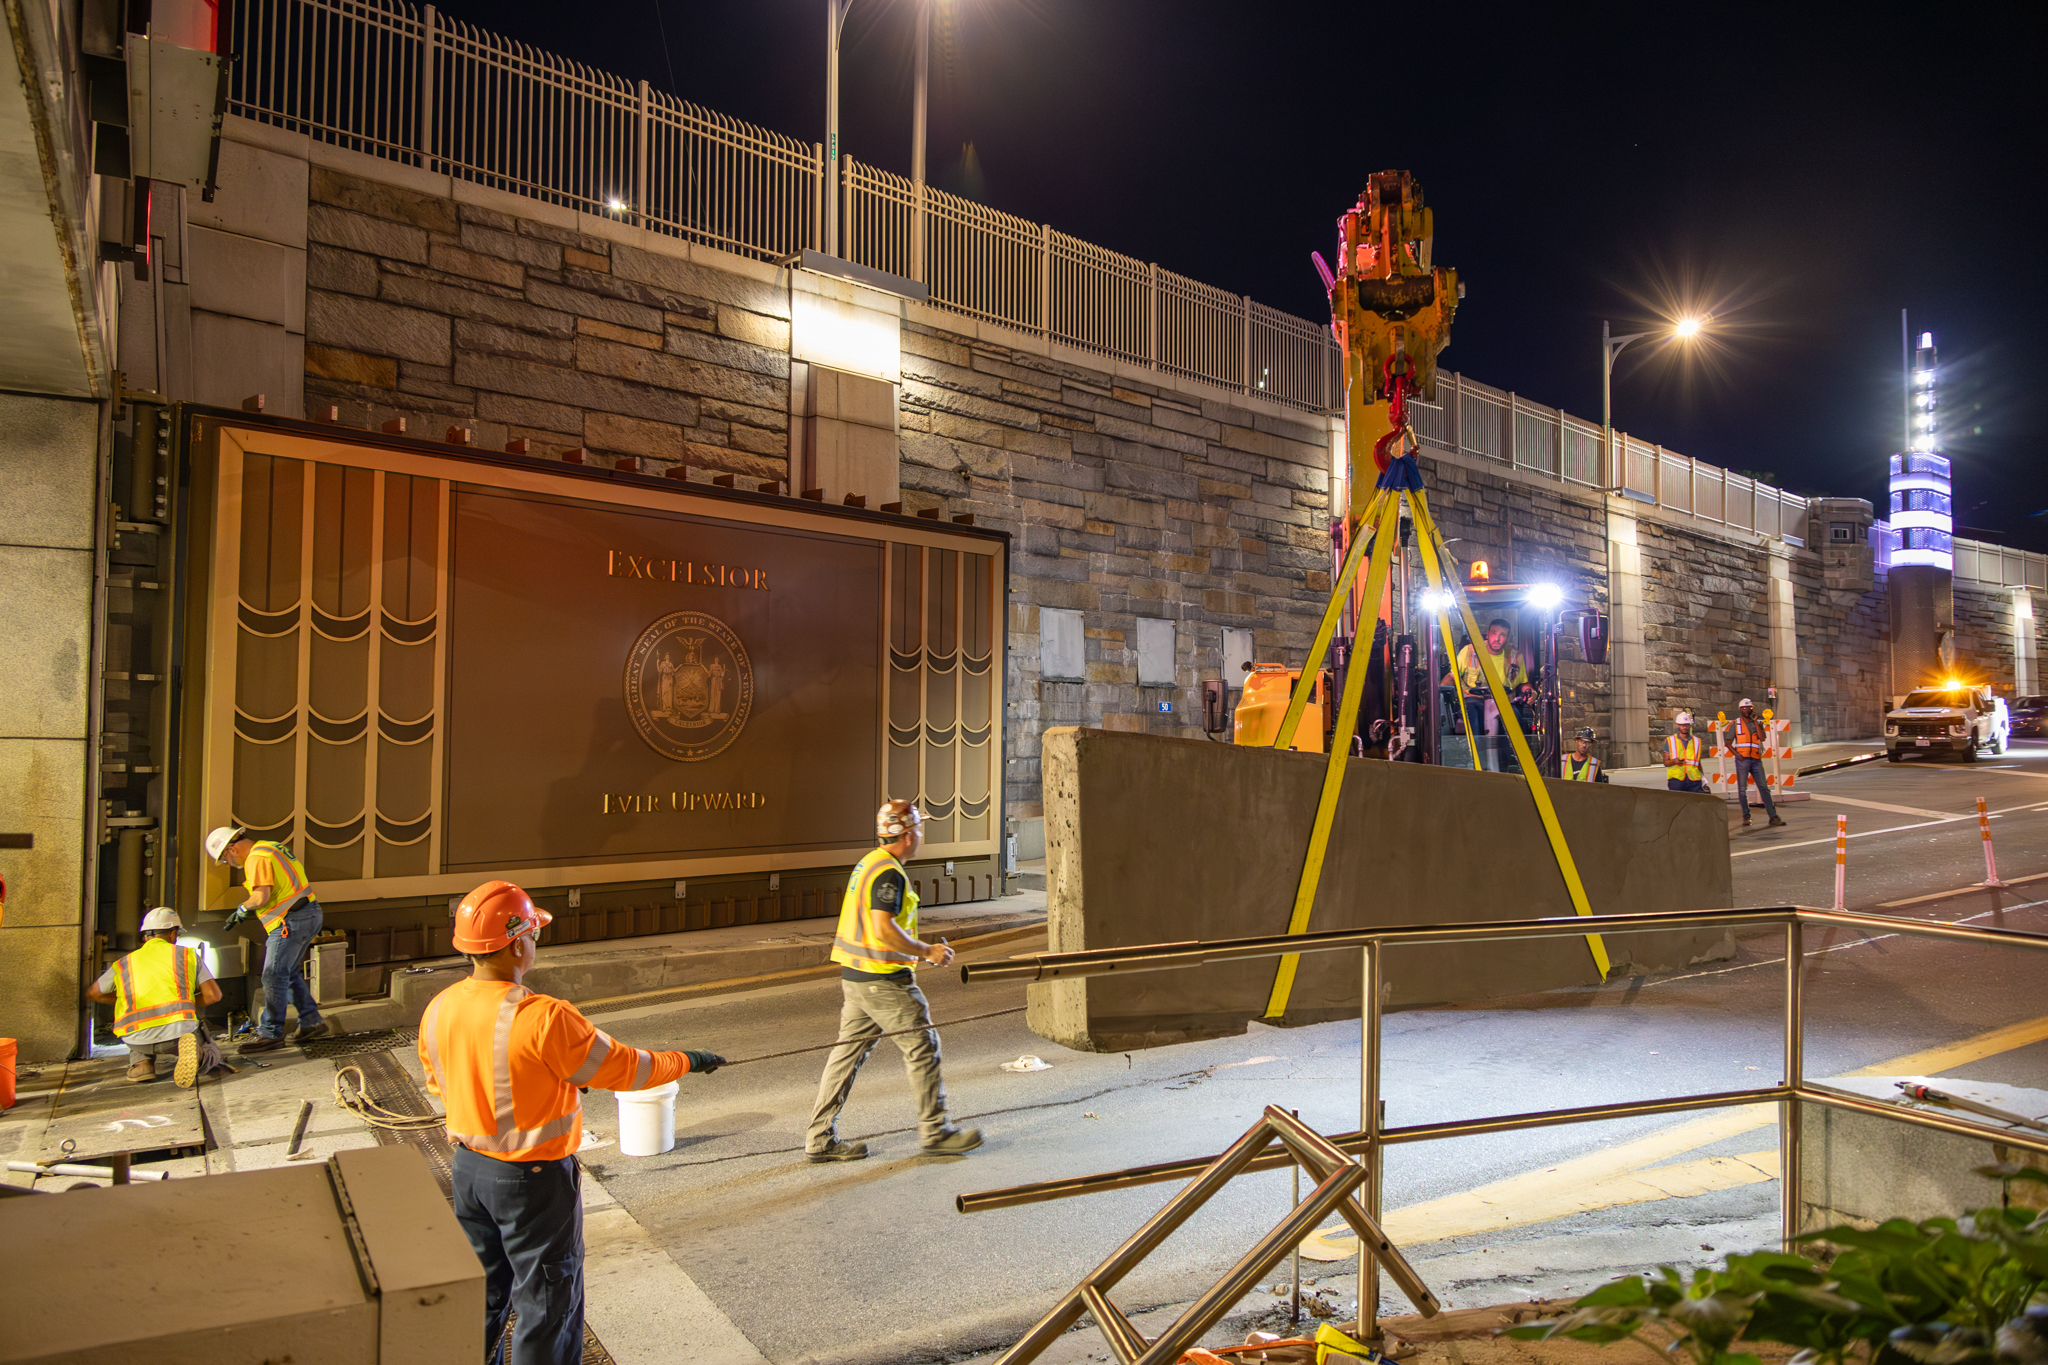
x: 357, y: 1044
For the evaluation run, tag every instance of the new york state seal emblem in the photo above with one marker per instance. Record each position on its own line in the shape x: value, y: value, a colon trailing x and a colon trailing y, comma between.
x: 689, y: 685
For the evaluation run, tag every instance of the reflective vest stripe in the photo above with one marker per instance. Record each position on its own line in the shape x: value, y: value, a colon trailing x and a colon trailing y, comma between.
x: 1749, y: 739
x: 507, y: 1137
x: 851, y: 946
x: 156, y: 1001
x: 600, y: 1048
x: 285, y: 893
x: 1682, y: 758
x: 1581, y: 772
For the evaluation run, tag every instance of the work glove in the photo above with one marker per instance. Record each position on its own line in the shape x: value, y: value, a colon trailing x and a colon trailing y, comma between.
x: 236, y: 918
x: 703, y: 1063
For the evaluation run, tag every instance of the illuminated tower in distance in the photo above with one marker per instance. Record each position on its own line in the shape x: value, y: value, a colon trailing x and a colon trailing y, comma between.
x: 1922, y: 578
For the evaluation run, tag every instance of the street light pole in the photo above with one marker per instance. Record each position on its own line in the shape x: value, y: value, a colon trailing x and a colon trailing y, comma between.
x: 917, y: 137
x: 835, y: 20
x: 1610, y: 347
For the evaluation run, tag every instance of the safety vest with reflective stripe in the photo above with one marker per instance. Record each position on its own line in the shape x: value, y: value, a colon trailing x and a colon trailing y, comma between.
x: 157, y: 984
x: 1578, y: 769
x: 288, y: 883
x: 1749, y: 739
x: 1682, y: 758
x: 507, y: 1064
x: 854, y: 944
x: 1507, y: 665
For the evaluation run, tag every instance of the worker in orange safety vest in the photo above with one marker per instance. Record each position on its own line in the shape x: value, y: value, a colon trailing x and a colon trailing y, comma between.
x: 1682, y: 771
x: 509, y: 1065
x: 1750, y: 739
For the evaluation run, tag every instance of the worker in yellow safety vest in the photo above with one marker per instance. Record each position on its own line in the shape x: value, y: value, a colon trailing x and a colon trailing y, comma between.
x: 1580, y: 765
x: 157, y: 992
x: 877, y: 949
x: 1491, y: 654
x: 1682, y: 758
x: 282, y: 900
x: 1750, y: 741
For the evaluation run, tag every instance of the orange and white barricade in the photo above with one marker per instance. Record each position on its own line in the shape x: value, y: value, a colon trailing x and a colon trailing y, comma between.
x: 1721, y: 779
x: 1778, y: 749
x: 1990, y: 861
x: 1841, y: 858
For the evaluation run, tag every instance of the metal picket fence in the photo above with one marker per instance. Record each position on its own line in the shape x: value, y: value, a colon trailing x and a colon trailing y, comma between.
x: 402, y: 82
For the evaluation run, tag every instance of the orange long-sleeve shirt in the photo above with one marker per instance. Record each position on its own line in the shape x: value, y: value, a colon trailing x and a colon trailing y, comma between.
x: 507, y: 1063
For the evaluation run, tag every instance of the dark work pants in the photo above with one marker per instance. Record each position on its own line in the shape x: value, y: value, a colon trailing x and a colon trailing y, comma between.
x: 524, y: 1220
x: 1746, y: 771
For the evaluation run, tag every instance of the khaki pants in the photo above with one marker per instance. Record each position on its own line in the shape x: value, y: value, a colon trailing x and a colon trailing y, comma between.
x: 873, y: 1008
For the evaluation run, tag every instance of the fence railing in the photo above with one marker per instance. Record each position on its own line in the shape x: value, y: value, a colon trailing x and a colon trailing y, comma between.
x: 392, y: 80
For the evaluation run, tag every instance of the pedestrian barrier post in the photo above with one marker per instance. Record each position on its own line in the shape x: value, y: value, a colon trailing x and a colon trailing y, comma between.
x: 1778, y: 751
x: 1842, y: 857
x: 1720, y: 778
x: 1990, y: 861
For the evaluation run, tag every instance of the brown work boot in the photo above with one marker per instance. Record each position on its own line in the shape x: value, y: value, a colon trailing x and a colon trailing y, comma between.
x: 839, y: 1151
x: 259, y: 1043
x: 143, y: 1068
x: 308, y: 1032
x: 1776, y: 821
x: 956, y: 1142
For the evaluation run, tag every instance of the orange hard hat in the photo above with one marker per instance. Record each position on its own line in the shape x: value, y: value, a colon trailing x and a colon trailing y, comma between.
x: 494, y: 914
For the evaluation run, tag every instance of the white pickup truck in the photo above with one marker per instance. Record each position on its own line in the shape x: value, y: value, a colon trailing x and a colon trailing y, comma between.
x: 1948, y: 720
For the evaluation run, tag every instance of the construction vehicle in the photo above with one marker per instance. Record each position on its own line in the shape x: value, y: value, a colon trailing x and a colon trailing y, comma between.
x: 1952, y: 718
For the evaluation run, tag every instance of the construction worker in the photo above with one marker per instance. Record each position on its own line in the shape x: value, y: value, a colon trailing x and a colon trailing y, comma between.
x: 1682, y: 758
x: 1749, y: 741
x: 877, y: 949
x: 1580, y: 765
x: 1508, y: 668
x: 281, y: 897
x: 507, y: 1064
x: 157, y: 991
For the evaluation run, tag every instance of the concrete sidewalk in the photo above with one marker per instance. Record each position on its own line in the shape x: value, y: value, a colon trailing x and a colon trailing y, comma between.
x: 639, y: 970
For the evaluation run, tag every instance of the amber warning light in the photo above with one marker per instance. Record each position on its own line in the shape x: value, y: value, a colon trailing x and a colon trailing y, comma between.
x: 1479, y: 572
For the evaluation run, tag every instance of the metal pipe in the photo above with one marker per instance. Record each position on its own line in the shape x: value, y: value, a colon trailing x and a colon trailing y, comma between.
x: 920, y: 99
x: 1352, y: 1143
x: 1842, y: 1099
x: 1294, y: 1304
x: 1224, y: 1295
x: 74, y: 1168
x: 1197, y: 953
x: 1234, y: 1160
x: 1789, y: 1205
x: 1369, y: 1124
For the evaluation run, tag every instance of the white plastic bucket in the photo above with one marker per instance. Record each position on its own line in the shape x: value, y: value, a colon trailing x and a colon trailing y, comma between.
x: 647, y: 1120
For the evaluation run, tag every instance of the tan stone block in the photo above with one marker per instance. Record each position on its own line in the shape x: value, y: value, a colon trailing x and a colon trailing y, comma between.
x: 455, y: 261
x: 383, y: 201
x: 1121, y: 720
x: 759, y: 442
x: 730, y: 461
x: 1023, y: 616
x: 632, y: 436
x: 1252, y: 547
x: 1099, y: 528
x: 1116, y: 674
x: 352, y: 367
x: 1217, y: 488
x: 591, y: 327
x: 1187, y: 563
x: 741, y: 325
x: 586, y: 260
x: 1131, y: 396
x: 1316, y: 581
x: 1224, y: 603
x: 1049, y: 514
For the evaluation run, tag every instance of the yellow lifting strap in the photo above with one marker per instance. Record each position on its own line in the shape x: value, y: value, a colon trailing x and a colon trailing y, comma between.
x: 1388, y: 508
x: 1339, y: 592
x: 1333, y: 767
x: 1433, y: 574
x: 1568, y: 869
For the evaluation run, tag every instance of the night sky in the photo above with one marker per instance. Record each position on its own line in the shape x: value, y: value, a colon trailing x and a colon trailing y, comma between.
x: 1801, y: 171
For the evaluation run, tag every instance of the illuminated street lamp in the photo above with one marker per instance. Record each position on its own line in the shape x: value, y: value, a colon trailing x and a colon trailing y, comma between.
x: 1684, y: 329
x: 835, y: 23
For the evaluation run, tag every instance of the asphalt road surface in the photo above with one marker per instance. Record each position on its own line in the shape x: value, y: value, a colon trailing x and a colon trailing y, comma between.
x: 868, y: 1261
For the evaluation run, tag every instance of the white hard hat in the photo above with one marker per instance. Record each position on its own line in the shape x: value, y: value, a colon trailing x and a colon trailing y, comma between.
x: 218, y: 841
x: 163, y: 917
x: 896, y: 818
x: 1744, y: 702
x: 1684, y: 718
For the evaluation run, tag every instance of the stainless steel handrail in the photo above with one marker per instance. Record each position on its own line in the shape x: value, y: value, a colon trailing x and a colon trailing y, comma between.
x: 1789, y: 1095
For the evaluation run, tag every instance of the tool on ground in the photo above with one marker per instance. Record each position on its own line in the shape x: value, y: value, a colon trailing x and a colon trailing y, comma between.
x: 1990, y: 862
x: 1841, y: 859
x: 73, y: 1168
x: 299, y: 1129
x: 1915, y: 1091
x: 1840, y: 763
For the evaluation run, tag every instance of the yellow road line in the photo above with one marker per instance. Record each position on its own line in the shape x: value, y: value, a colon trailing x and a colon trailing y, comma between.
x: 1628, y: 1173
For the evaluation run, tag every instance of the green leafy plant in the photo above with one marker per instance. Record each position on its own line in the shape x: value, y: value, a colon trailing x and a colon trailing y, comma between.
x: 1947, y: 1291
